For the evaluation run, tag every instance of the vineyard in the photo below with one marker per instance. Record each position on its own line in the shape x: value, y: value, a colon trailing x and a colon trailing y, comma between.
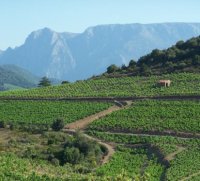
x: 129, y: 163
x: 182, y: 84
x: 183, y: 165
x: 134, y: 162
x: 45, y: 112
x: 153, y: 116
x: 154, y: 140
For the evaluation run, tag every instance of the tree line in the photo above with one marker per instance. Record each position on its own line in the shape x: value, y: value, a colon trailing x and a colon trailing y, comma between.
x: 181, y: 57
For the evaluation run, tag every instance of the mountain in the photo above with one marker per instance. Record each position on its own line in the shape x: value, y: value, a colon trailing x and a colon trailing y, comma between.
x: 44, y: 52
x: 181, y: 57
x: 73, y: 56
x: 12, y: 77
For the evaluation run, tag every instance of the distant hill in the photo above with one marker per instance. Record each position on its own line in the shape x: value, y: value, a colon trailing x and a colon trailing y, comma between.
x: 12, y: 77
x: 70, y: 56
x: 181, y: 57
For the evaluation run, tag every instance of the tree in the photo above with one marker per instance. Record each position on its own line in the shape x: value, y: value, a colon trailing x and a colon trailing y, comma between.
x: 112, y: 68
x: 145, y: 70
x: 65, y: 82
x: 58, y: 124
x: 196, y: 60
x: 179, y: 44
x: 123, y: 67
x: 132, y: 63
x: 44, y: 82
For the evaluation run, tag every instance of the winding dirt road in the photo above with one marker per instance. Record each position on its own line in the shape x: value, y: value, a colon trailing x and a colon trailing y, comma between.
x: 110, y: 148
x: 83, y: 123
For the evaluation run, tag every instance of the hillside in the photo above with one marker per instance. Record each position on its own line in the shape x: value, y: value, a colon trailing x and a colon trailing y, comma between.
x: 181, y: 57
x: 141, y: 139
x: 179, y: 63
x: 12, y: 77
x: 102, y: 139
x: 137, y: 86
x: 112, y: 127
x: 70, y: 56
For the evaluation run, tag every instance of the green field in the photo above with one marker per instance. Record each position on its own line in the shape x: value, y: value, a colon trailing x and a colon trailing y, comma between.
x: 182, y: 84
x: 45, y: 112
x: 137, y: 133
x: 133, y: 162
x: 153, y: 116
x: 167, y: 141
x: 126, y: 163
x: 184, y: 164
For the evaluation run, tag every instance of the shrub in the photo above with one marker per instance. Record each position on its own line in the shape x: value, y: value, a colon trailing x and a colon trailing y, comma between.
x: 71, y: 155
x: 55, y: 161
x: 58, y: 124
x: 2, y: 124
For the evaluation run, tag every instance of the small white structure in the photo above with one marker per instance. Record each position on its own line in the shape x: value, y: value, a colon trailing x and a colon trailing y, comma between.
x: 165, y: 83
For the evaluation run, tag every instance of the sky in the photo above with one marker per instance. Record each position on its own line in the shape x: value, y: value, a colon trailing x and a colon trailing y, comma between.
x: 18, y: 18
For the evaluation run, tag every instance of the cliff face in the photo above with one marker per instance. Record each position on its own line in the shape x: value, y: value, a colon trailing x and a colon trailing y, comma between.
x: 78, y: 56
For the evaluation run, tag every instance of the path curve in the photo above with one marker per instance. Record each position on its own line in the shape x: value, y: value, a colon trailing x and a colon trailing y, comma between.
x: 110, y: 148
x: 190, y: 176
x: 172, y: 155
x: 83, y: 123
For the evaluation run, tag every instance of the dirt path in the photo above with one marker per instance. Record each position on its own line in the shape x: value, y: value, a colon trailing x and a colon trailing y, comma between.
x: 155, y: 133
x: 171, y: 156
x: 107, y: 99
x: 5, y: 135
x: 110, y: 148
x: 83, y: 123
x: 189, y: 177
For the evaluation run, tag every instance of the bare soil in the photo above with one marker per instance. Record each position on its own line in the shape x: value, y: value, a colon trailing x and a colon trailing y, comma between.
x: 83, y: 123
x: 171, y: 156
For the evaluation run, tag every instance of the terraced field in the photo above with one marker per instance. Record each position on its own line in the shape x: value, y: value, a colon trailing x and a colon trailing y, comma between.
x: 179, y: 167
x: 45, y: 112
x: 169, y: 117
x: 133, y: 162
x: 154, y: 140
x: 182, y: 84
x: 169, y: 129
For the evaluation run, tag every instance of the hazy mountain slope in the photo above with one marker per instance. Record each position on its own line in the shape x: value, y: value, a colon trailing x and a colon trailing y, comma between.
x: 44, y: 52
x: 79, y: 56
x: 13, y: 75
